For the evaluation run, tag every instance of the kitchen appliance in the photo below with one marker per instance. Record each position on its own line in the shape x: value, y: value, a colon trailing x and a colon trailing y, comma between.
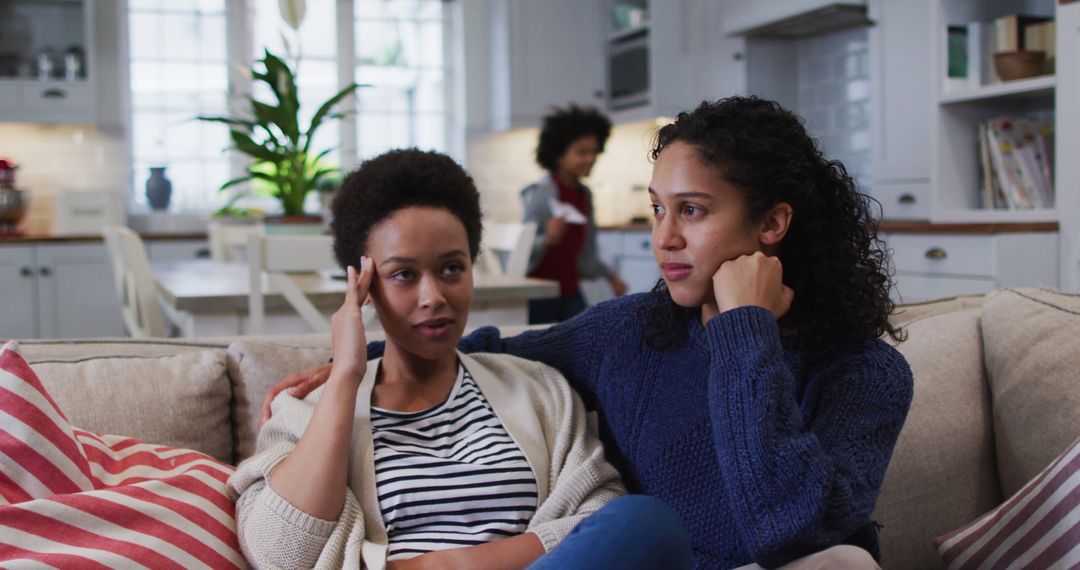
x: 12, y: 200
x: 87, y: 212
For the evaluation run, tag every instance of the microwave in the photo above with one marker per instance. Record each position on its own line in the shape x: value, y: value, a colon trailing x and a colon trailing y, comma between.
x: 628, y: 73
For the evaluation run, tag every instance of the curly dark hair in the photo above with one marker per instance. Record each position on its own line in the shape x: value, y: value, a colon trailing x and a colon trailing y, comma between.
x: 398, y: 179
x: 832, y: 256
x: 564, y: 126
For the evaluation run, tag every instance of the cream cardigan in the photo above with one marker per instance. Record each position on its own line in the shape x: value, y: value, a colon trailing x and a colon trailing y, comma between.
x: 534, y: 403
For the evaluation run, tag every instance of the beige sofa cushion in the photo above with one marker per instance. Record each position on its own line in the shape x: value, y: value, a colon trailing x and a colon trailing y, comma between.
x: 254, y: 368
x: 1032, y: 340
x: 942, y: 473
x: 163, y: 393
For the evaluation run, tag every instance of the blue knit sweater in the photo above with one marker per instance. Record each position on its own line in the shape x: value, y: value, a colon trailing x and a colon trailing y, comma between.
x: 764, y: 457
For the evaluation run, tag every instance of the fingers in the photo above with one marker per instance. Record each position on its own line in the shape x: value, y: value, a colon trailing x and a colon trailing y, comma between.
x: 363, y: 281
x: 313, y: 379
x: 350, y: 290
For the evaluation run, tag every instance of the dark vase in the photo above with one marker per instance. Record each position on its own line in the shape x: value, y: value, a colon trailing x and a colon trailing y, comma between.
x: 158, y: 189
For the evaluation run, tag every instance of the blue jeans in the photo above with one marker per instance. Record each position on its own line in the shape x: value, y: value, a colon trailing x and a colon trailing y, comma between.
x: 634, y: 531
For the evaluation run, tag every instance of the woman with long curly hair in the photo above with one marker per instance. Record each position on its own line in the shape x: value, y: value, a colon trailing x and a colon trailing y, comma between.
x: 750, y: 390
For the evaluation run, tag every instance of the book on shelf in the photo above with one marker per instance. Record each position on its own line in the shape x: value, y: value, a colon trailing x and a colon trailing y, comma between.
x: 956, y: 58
x: 1010, y: 31
x: 1042, y: 36
x: 1015, y: 163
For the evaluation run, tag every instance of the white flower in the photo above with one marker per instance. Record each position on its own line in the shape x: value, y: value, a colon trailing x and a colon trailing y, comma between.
x: 293, y: 12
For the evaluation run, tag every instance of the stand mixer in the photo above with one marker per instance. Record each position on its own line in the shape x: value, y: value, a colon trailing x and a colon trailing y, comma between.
x: 12, y: 200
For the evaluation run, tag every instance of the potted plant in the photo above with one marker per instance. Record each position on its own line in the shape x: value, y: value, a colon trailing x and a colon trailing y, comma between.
x: 280, y: 148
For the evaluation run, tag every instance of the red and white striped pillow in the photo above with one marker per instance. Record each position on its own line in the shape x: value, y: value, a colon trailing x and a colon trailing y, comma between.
x: 70, y: 498
x: 1038, y: 527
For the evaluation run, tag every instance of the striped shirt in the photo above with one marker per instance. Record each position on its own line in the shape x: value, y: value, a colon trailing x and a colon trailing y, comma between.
x: 450, y: 476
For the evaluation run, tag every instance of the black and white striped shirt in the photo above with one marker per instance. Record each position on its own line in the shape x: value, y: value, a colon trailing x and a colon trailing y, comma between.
x: 450, y: 476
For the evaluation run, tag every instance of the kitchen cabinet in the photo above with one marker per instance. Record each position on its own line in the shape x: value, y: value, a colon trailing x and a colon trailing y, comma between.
x: 178, y: 250
x: 537, y: 55
x: 61, y: 290
x: 629, y: 252
x: 19, y: 298
x: 675, y: 59
x: 903, y: 100
x: 929, y: 266
x: 792, y: 17
x: 76, y: 293
x: 47, y: 63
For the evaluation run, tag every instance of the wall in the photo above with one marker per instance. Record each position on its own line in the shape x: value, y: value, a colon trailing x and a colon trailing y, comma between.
x: 55, y: 158
x: 833, y: 96
x: 503, y: 163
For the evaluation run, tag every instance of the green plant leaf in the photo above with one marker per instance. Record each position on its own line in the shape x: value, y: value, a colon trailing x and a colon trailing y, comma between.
x: 227, y: 121
x: 246, y: 145
x: 324, y: 109
x: 232, y: 183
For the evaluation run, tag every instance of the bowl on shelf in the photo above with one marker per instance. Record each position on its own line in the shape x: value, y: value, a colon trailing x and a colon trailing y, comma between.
x: 1012, y: 65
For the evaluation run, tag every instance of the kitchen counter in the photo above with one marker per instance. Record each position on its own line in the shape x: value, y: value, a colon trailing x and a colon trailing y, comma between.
x: 51, y: 238
x: 627, y: 227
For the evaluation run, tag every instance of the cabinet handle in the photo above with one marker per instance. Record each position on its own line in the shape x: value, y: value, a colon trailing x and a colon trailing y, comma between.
x: 599, y: 93
x: 53, y: 94
x: 45, y: 271
x: 646, y: 244
x: 26, y: 272
x: 202, y: 253
x: 936, y: 253
x: 738, y: 56
x: 906, y: 198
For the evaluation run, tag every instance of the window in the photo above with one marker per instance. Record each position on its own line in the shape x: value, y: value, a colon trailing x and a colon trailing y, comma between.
x: 400, y: 49
x: 178, y: 71
x: 396, y: 46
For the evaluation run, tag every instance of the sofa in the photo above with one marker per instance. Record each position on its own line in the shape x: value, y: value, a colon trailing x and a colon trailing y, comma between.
x: 995, y: 401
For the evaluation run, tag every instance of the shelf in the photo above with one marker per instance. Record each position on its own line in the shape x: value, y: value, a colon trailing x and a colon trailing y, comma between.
x: 995, y: 216
x: 1033, y: 88
x: 627, y: 33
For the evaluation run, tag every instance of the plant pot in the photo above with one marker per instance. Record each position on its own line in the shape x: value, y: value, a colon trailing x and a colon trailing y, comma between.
x: 294, y: 225
x: 1012, y: 65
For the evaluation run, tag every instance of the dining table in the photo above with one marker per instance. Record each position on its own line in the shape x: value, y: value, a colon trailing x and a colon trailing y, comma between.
x: 205, y: 298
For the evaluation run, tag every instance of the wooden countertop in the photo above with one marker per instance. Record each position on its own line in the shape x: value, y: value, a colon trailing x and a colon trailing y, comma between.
x: 50, y: 238
x: 897, y: 227
x: 627, y: 227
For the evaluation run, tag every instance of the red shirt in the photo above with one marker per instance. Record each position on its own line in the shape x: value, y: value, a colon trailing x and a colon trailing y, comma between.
x: 561, y: 262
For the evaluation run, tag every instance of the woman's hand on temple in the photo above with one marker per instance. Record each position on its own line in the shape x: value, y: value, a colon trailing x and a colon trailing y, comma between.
x: 752, y: 280
x: 347, y: 324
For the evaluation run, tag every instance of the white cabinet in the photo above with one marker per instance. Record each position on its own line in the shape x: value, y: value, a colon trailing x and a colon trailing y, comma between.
x: 36, y: 38
x: 76, y: 294
x: 19, y: 298
x: 903, y: 100
x: 676, y: 58
x: 629, y: 253
x: 938, y: 265
x: 178, y: 250
x: 58, y: 291
x: 537, y: 55
x: 793, y: 17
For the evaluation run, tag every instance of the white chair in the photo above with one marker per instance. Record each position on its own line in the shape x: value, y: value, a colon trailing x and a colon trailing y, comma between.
x: 280, y: 258
x: 228, y: 239
x: 512, y: 241
x: 140, y: 304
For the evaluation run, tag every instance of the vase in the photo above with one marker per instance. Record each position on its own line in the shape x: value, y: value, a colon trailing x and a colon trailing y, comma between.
x: 158, y: 189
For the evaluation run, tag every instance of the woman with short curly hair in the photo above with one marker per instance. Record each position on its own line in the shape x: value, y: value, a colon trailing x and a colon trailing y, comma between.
x: 750, y: 390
